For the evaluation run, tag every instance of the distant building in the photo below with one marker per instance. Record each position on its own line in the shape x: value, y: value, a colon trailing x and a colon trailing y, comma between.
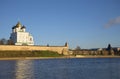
x: 116, y: 48
x: 19, y: 36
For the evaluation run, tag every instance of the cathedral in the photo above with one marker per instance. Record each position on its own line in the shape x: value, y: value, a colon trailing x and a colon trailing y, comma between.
x: 19, y: 36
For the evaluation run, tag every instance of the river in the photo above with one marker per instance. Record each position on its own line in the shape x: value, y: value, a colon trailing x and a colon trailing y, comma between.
x: 81, y: 68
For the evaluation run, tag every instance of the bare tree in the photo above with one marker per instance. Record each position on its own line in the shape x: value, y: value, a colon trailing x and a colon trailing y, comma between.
x: 78, y: 48
x: 10, y: 42
x: 3, y: 41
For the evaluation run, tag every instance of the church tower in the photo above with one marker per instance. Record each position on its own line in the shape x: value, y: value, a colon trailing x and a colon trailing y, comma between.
x: 19, y: 36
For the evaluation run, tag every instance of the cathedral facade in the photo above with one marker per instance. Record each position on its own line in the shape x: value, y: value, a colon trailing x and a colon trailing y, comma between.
x: 19, y: 36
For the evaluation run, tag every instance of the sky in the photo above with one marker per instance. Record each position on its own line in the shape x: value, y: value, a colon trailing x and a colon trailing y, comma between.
x: 84, y: 23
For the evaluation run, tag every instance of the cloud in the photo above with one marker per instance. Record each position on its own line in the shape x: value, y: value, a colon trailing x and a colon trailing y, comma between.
x: 113, y: 22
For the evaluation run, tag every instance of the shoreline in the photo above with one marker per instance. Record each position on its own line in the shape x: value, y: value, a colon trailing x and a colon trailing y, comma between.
x: 64, y: 57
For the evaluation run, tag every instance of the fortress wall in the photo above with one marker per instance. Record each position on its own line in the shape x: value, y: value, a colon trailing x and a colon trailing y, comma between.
x: 59, y: 49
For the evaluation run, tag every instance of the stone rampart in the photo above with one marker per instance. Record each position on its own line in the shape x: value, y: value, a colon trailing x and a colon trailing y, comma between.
x: 59, y: 49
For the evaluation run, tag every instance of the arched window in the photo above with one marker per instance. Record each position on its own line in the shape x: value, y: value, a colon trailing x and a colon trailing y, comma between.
x: 30, y: 39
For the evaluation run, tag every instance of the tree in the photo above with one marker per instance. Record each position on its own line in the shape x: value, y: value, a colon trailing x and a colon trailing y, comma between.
x: 110, y: 50
x: 3, y: 41
x: 109, y: 47
x: 47, y: 45
x: 10, y: 42
x: 78, y: 48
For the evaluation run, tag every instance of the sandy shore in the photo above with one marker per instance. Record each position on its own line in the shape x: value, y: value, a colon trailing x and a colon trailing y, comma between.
x: 65, y: 57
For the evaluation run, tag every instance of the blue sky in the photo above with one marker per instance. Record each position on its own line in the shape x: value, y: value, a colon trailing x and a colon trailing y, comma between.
x: 87, y: 23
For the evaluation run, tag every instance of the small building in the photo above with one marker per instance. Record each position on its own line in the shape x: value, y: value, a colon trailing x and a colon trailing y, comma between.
x: 19, y: 36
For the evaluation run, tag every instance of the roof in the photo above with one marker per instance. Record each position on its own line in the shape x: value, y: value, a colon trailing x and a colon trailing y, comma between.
x: 23, y: 27
x: 18, y: 25
x: 13, y: 27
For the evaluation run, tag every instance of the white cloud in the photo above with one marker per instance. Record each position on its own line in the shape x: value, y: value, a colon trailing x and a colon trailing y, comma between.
x: 113, y: 22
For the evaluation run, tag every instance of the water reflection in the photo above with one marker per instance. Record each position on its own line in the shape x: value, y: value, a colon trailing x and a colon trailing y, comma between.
x: 105, y: 68
x: 24, y: 69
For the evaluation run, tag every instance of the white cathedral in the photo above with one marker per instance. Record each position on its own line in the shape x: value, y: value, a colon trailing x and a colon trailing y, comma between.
x: 19, y: 36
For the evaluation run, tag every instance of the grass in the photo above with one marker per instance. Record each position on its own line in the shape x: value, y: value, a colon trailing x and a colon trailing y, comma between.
x: 4, y: 54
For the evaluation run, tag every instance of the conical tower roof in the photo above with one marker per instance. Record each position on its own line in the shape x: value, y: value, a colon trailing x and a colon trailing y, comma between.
x: 66, y: 44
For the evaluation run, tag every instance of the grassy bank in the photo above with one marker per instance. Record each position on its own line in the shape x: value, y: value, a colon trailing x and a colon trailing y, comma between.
x: 4, y: 54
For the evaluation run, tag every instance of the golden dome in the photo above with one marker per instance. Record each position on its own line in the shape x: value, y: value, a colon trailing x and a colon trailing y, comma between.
x: 18, y: 24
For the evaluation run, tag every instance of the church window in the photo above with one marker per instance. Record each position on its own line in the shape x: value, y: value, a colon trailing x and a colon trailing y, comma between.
x: 30, y: 39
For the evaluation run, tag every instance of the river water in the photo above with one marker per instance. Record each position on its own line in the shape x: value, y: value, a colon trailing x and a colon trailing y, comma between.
x: 86, y: 68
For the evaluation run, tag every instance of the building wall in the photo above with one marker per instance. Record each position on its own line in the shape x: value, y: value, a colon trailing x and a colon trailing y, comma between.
x: 22, y: 37
x: 59, y: 49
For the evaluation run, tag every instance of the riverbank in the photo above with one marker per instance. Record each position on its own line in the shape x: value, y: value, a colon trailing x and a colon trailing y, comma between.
x: 24, y: 54
x: 63, y: 57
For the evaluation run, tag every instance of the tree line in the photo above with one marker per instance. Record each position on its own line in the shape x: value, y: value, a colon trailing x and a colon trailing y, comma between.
x: 4, y: 41
x: 105, y: 51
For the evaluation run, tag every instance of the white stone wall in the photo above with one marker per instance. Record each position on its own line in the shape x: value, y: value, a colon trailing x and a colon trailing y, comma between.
x: 23, y: 37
